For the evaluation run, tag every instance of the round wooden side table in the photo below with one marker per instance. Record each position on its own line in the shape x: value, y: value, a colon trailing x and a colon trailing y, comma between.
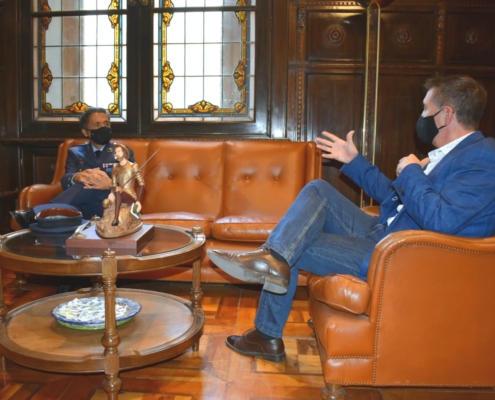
x: 165, y: 327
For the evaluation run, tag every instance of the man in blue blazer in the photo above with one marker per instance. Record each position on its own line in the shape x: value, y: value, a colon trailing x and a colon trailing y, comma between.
x: 452, y: 191
x: 88, y: 168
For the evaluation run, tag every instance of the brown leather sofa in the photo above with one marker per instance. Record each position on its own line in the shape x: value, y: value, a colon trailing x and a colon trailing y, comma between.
x: 235, y: 190
x: 423, y: 318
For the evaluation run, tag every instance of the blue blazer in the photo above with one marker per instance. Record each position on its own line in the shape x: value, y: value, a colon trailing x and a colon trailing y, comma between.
x: 457, y: 197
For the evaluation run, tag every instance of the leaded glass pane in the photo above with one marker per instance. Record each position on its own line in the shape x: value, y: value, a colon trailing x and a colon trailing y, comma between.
x: 80, y: 60
x: 205, y: 3
x: 204, y: 61
x: 76, y: 5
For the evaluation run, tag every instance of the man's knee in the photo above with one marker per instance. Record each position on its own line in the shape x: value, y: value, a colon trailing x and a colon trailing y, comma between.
x: 322, y: 187
x: 320, y: 184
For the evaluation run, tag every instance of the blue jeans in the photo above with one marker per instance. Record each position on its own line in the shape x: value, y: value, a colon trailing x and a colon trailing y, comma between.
x: 322, y: 232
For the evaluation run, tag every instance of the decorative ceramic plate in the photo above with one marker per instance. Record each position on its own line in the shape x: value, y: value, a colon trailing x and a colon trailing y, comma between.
x: 88, y: 313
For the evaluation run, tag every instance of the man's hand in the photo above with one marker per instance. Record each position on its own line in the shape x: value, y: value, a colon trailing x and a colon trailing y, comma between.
x: 410, y: 159
x: 94, y: 178
x: 337, y: 149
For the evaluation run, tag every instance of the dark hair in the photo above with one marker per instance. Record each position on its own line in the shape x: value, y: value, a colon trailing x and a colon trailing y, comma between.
x: 125, y: 150
x: 83, y: 121
x: 466, y: 96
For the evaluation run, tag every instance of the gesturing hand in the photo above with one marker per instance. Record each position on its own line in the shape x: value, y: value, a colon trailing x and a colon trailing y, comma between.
x: 337, y: 149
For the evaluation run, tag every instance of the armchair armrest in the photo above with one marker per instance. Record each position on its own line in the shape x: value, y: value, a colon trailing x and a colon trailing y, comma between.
x: 342, y: 292
x: 371, y: 210
x: 37, y: 194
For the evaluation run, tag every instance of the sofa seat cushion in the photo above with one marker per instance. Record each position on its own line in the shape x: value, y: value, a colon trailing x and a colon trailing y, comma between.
x: 342, y: 292
x: 180, y: 219
x: 243, y: 229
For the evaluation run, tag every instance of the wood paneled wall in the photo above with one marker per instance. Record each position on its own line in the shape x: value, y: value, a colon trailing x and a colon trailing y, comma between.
x: 323, y: 62
x: 333, y: 64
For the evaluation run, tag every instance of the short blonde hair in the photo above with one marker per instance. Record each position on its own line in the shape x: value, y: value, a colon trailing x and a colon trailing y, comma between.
x: 466, y: 96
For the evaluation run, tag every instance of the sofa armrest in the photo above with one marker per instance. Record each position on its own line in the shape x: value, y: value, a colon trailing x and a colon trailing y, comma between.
x: 342, y: 292
x: 37, y: 194
x: 34, y: 195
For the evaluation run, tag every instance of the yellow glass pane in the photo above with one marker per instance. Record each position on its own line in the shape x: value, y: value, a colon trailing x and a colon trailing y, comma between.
x: 78, y: 59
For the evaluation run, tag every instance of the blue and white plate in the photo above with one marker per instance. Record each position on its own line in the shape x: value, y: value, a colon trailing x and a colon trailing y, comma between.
x: 88, y: 313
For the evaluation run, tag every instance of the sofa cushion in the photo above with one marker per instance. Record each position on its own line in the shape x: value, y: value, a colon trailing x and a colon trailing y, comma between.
x: 263, y: 180
x: 342, y: 292
x: 184, y: 176
x: 242, y: 228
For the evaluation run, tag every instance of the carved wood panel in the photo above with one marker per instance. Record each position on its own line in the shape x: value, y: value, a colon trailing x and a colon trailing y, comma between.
x: 396, y: 130
x: 2, y: 75
x: 408, y: 37
x: 335, y: 106
x: 471, y: 38
x: 335, y: 36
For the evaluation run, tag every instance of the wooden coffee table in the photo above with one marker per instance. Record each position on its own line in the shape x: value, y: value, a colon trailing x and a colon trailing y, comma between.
x: 165, y: 327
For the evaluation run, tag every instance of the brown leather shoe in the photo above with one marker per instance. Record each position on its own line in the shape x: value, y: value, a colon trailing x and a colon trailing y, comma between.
x: 255, y: 266
x: 251, y: 344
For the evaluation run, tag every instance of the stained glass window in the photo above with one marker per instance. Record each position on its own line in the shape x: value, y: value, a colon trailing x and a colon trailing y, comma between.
x: 79, y: 55
x: 204, y: 61
x: 147, y: 61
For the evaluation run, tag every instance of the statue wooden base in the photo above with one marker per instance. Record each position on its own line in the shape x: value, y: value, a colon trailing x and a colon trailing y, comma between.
x: 94, y: 245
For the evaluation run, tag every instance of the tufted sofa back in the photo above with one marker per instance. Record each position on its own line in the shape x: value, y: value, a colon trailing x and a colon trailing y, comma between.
x: 217, y: 178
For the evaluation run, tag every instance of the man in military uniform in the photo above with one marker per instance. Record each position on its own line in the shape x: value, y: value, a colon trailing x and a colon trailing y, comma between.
x: 87, y: 181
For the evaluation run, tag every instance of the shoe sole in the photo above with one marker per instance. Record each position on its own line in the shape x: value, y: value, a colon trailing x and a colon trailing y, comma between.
x: 270, y: 283
x: 269, y: 357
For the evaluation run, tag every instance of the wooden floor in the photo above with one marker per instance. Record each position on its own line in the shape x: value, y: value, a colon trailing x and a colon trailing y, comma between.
x: 215, y: 372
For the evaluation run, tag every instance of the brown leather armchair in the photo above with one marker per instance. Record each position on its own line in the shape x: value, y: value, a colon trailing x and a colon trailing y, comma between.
x: 425, y: 316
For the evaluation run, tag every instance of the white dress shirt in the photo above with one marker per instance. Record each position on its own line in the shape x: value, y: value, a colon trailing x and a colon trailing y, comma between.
x: 435, y: 157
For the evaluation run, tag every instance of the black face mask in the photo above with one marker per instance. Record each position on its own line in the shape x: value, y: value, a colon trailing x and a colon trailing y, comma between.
x: 102, y: 135
x: 426, y: 128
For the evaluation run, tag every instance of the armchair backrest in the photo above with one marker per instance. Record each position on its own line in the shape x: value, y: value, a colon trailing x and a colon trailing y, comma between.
x: 433, y: 298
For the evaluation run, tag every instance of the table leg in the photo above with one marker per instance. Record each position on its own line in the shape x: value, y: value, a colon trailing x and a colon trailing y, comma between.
x: 3, y: 313
x: 19, y: 280
x: 3, y: 306
x: 110, y: 339
x: 196, y: 294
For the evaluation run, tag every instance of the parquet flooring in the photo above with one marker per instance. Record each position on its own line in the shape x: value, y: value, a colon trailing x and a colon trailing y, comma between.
x: 213, y: 373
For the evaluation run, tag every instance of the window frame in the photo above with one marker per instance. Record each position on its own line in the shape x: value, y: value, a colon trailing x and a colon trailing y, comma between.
x: 140, y: 122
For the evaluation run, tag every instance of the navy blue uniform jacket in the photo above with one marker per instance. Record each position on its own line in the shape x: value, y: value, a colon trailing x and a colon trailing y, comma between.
x: 81, y: 158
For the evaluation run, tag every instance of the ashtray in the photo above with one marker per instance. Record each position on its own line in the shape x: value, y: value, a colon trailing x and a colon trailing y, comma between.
x: 88, y: 313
